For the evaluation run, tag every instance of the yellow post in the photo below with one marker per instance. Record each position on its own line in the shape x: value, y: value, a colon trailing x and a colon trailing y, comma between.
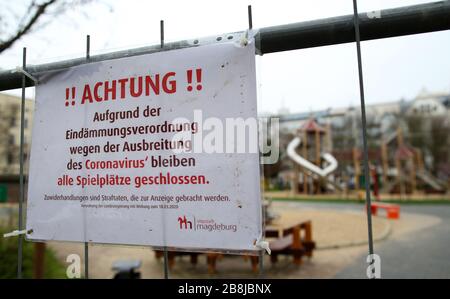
x: 318, y: 158
x: 294, y: 180
x: 399, y: 137
x: 385, y: 162
x: 356, y: 166
x: 305, y: 155
x: 413, y: 175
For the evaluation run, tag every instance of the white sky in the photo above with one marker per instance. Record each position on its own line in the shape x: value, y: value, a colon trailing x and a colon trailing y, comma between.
x: 301, y: 80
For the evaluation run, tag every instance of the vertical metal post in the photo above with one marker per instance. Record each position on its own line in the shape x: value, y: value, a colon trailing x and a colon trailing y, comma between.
x: 166, y: 253
x: 261, y: 264
x: 166, y: 263
x: 88, y: 47
x: 21, y: 192
x: 364, y: 129
x: 250, y: 19
x: 261, y: 253
x: 86, y: 244
x: 161, y: 25
x: 263, y: 233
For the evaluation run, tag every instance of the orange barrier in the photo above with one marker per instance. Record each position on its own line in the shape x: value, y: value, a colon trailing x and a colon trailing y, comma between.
x: 393, y: 211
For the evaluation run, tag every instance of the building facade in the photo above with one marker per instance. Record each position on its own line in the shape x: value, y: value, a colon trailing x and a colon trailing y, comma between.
x: 10, y: 133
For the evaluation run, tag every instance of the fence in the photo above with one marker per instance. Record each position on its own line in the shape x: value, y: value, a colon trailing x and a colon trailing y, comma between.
x: 395, y: 22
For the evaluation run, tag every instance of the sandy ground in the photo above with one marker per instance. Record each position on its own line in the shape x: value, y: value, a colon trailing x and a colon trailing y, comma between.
x: 334, y: 228
x: 336, y: 233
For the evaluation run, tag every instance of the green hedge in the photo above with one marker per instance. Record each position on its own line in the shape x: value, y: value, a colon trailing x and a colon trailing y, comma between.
x: 8, y: 259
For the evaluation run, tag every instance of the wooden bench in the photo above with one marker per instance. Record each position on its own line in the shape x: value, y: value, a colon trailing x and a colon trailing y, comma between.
x: 392, y: 210
x: 295, y: 240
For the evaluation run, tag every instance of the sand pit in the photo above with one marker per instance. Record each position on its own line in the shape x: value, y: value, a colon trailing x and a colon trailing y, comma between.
x: 333, y: 229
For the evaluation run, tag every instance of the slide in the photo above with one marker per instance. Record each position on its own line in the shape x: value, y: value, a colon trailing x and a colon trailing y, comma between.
x: 424, y: 176
x: 430, y: 180
x: 321, y: 172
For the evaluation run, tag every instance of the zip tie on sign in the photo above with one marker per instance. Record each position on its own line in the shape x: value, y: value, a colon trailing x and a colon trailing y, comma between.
x: 21, y: 70
x: 17, y: 233
x: 247, y: 37
x: 263, y: 245
x: 244, y: 39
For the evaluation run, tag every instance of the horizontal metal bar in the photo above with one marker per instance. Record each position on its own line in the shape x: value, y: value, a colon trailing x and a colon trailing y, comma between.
x: 386, y: 23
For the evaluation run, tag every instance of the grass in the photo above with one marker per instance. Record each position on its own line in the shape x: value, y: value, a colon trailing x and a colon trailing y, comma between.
x: 8, y: 259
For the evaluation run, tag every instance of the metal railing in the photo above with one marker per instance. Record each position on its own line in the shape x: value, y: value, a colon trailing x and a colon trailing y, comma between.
x: 387, y: 23
x: 400, y: 21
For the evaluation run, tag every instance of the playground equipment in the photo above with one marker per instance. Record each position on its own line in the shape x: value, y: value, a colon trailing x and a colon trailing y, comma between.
x: 396, y: 168
x: 409, y: 173
x: 311, y: 175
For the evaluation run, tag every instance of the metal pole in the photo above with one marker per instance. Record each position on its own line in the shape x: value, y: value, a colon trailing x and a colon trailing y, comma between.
x: 161, y: 25
x: 250, y: 19
x: 166, y: 263
x: 21, y: 191
x: 88, y: 47
x: 86, y: 244
x: 364, y: 129
x: 399, y: 21
x: 261, y: 264
x: 261, y: 253
x: 166, y: 253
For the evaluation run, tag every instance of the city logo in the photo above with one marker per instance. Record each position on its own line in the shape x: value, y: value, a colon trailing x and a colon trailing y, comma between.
x: 184, y: 223
x: 204, y: 225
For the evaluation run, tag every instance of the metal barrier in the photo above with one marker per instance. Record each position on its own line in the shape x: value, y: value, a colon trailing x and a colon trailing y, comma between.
x: 331, y: 31
x: 387, y: 23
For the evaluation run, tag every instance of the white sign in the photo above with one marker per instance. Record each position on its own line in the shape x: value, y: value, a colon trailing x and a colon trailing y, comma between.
x: 158, y: 149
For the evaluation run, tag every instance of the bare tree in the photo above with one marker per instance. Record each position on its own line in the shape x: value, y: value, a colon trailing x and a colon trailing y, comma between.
x: 18, y: 18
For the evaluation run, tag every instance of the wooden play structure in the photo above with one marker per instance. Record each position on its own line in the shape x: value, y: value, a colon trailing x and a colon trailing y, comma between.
x: 395, y: 168
x: 409, y: 174
x: 308, y: 176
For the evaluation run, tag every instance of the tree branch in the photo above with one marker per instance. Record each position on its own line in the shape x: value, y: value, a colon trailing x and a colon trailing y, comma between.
x: 22, y: 31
